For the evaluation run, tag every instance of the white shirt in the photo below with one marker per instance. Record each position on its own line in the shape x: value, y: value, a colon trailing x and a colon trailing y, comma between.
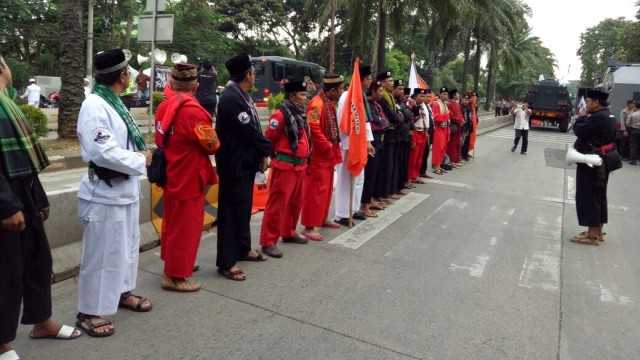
x: 103, y: 138
x: 32, y: 94
x: 344, y: 138
x: 522, y: 118
x: 87, y: 91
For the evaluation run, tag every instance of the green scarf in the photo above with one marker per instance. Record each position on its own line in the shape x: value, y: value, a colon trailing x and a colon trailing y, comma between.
x: 389, y: 99
x: 22, y: 154
x: 115, y: 102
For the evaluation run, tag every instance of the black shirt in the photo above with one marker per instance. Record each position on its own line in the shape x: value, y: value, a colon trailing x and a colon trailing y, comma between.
x: 207, y: 83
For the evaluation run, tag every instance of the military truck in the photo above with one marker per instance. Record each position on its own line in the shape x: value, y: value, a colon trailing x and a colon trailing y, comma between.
x: 622, y: 82
x: 549, y: 103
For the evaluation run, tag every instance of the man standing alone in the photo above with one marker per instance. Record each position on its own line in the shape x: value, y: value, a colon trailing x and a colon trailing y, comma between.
x: 32, y: 93
x: 521, y: 125
x: 207, y: 83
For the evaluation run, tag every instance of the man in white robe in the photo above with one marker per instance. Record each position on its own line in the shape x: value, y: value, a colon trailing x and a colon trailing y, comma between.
x: 32, y: 93
x: 343, y: 177
x: 109, y: 199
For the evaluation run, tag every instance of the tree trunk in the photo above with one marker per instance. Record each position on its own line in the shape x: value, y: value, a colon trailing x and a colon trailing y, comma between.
x: 72, y: 63
x: 476, y: 73
x: 126, y: 43
x: 381, y: 35
x: 332, y: 37
x: 490, y: 77
x: 465, y: 65
x: 432, y: 43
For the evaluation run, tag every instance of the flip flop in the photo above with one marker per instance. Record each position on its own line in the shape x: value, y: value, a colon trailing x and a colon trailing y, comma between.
x: 182, y: 286
x: 376, y: 207
x: 312, y: 237
x: 65, y: 333
x: 331, y: 225
x: 237, y: 275
x: 586, y: 241
x: 370, y: 214
x: 10, y: 355
x: 259, y: 258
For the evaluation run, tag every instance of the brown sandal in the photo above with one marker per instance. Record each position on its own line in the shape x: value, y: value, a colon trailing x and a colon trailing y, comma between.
x: 586, y: 240
x: 90, y: 327
x: 179, y: 285
x: 237, y: 275
x: 138, y: 306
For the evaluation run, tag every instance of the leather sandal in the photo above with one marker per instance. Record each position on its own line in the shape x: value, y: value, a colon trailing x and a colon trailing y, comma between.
x: 179, y: 285
x: 138, y: 306
x: 586, y: 240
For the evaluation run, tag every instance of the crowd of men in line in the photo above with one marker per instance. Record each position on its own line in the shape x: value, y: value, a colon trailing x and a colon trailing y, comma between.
x: 303, y: 141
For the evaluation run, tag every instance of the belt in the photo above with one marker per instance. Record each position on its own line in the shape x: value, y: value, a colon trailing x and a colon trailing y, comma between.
x: 605, y: 148
x: 443, y: 124
x: 290, y: 159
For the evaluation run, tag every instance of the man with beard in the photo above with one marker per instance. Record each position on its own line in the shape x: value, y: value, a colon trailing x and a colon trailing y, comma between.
x: 289, y: 133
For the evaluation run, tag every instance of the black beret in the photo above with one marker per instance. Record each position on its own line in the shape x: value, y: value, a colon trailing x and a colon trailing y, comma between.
x: 295, y: 86
x: 407, y: 91
x: 106, y: 62
x: 365, y: 70
x: 444, y: 89
x: 238, y: 64
x: 597, y: 95
x: 397, y: 83
x: 453, y: 92
x: 418, y: 91
x: 384, y: 75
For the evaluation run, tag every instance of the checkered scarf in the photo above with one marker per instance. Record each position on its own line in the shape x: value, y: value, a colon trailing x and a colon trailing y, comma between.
x: 295, y: 120
x: 331, y: 119
x: 22, y: 154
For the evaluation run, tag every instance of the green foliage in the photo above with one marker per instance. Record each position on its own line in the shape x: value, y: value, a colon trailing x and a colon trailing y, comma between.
x: 273, y: 102
x: 158, y: 97
x: 20, y: 72
x: 36, y: 118
x: 398, y: 63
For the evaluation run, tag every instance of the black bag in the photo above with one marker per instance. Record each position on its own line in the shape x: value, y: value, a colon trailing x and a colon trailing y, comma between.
x: 454, y: 129
x: 157, y: 171
x: 612, y: 160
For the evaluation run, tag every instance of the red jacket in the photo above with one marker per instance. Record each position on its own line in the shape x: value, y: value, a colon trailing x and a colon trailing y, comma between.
x: 455, y: 112
x: 277, y: 134
x: 438, y: 114
x: 192, y: 140
x: 325, y: 153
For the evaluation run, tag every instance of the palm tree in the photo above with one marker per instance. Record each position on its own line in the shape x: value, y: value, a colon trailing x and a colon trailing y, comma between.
x: 72, y: 63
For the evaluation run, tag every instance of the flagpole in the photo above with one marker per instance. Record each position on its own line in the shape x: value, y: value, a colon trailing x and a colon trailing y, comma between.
x: 351, y: 180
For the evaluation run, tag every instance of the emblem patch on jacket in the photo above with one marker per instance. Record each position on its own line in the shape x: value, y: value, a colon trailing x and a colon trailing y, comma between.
x: 101, y: 135
x: 244, y: 118
x: 273, y: 124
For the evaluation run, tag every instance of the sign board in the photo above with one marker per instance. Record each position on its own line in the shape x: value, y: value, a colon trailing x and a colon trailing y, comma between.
x: 163, y: 26
x: 160, y: 5
x: 161, y: 77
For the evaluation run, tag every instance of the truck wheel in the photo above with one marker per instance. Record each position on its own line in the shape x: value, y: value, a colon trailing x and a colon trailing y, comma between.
x: 564, y: 125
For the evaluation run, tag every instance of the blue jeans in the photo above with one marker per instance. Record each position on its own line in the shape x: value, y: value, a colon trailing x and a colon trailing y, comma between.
x: 143, y: 94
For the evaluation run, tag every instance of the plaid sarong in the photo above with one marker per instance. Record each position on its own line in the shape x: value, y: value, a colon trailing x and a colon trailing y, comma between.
x: 331, y: 120
x: 22, y: 154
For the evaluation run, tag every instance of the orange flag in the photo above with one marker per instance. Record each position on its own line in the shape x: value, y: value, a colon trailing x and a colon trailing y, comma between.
x: 353, y: 122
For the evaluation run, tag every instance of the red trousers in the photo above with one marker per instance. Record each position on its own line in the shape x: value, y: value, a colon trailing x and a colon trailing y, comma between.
x: 415, y: 154
x: 454, y: 147
x: 317, y: 190
x: 439, y: 145
x: 283, y: 207
x: 180, y: 236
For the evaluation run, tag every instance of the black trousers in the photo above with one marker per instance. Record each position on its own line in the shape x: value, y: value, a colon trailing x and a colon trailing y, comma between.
x: 524, y: 134
x: 235, y: 197
x: 634, y: 143
x: 211, y: 108
x: 591, y: 196
x: 25, y: 267
x: 465, y: 146
x: 371, y: 177
x: 425, y: 156
x: 403, y: 164
x: 622, y: 143
x: 389, y: 170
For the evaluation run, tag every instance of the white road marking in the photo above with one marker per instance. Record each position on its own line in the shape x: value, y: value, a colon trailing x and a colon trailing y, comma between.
x: 449, y: 203
x: 542, y: 269
x: 363, y: 232
x: 607, y: 295
x: 449, y: 183
x: 571, y: 188
x: 476, y: 269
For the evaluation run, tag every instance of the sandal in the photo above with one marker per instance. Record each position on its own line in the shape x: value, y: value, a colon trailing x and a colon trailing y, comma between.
x: 90, y: 327
x: 179, y: 285
x: 369, y: 214
x: 237, y: 275
x: 438, y: 171
x: 586, y: 240
x: 376, y: 207
x: 312, y: 236
x: 260, y: 257
x: 584, y: 234
x: 417, y: 181
x: 138, y: 306
x: 330, y: 225
x: 66, y: 332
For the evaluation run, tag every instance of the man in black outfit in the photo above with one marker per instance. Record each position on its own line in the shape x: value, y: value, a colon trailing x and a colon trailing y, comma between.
x: 244, y: 150
x: 207, y: 84
x: 596, y: 134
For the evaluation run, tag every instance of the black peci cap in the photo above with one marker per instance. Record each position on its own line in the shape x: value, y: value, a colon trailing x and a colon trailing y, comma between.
x: 107, y: 62
x: 295, y: 86
x: 238, y: 64
x: 384, y: 75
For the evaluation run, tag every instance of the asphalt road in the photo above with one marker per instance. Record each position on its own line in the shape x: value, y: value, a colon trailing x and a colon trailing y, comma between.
x: 476, y: 264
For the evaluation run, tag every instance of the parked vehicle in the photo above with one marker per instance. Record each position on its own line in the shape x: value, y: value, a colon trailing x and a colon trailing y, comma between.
x: 622, y: 82
x: 271, y: 71
x: 549, y: 103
